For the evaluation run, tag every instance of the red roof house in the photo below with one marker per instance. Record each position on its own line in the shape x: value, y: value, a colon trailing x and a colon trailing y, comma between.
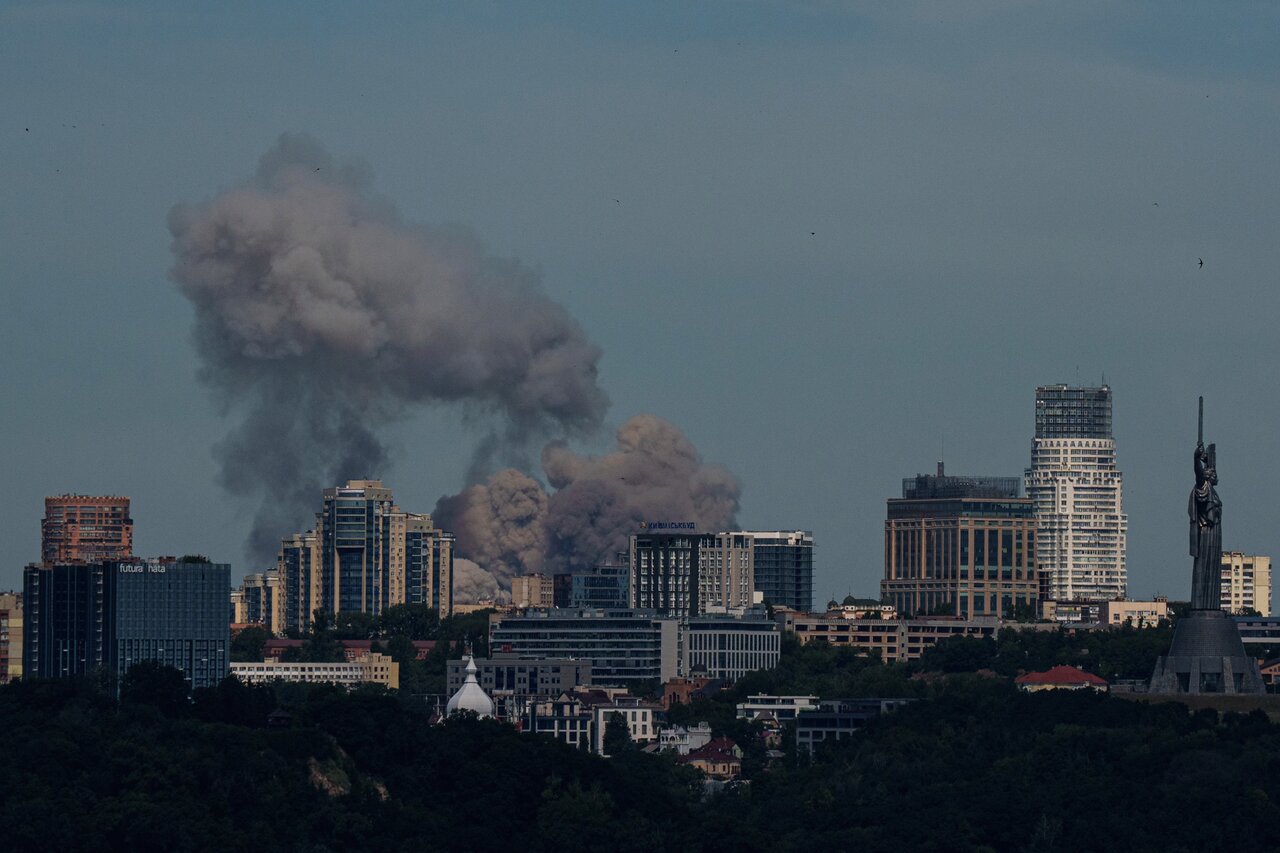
x: 1061, y: 677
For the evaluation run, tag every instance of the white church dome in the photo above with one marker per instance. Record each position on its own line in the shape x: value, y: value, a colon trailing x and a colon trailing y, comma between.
x: 471, y: 696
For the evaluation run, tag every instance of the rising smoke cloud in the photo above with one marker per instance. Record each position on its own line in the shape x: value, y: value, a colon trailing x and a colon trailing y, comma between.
x: 322, y: 315
x: 509, y: 525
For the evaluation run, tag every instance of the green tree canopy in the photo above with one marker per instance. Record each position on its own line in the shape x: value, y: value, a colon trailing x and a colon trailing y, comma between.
x: 156, y: 684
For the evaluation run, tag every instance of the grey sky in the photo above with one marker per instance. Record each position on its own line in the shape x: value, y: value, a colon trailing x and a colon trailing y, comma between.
x: 999, y: 198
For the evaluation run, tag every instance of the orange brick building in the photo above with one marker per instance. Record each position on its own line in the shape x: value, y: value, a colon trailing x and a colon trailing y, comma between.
x: 81, y: 528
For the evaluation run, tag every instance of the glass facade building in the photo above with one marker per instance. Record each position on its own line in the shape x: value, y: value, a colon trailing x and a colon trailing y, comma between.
x: 602, y: 586
x: 784, y: 567
x: 624, y: 646
x: 111, y: 615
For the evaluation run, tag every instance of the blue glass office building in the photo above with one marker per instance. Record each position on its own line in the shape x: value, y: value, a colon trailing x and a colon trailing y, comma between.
x: 112, y: 615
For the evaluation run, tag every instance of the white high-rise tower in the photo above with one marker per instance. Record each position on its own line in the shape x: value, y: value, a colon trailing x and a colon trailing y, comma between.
x: 1081, y: 528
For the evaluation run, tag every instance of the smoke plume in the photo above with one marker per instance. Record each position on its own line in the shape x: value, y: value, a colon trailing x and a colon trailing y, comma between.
x: 472, y: 583
x: 510, y: 526
x: 321, y: 315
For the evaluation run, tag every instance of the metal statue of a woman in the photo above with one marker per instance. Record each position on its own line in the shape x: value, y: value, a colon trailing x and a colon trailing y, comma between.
x: 1205, y: 510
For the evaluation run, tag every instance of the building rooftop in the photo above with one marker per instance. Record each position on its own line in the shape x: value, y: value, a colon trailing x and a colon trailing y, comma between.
x: 1061, y: 674
x: 942, y: 485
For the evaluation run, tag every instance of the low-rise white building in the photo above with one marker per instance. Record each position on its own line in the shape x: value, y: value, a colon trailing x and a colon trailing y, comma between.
x: 783, y: 708
x: 371, y: 668
x: 683, y: 740
x: 638, y: 714
x: 728, y: 647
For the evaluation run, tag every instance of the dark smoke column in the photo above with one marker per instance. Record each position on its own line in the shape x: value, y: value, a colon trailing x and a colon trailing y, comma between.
x: 321, y: 315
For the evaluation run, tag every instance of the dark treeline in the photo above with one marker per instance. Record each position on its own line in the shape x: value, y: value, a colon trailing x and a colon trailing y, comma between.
x: 977, y: 766
x: 974, y: 765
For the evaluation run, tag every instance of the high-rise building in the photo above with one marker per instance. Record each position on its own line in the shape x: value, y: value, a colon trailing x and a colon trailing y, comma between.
x: 260, y: 600
x: 365, y: 554
x: 684, y: 574
x: 428, y: 565
x: 1081, y: 527
x: 81, y: 617
x: 10, y: 636
x: 783, y: 567
x: 533, y: 590
x: 959, y: 546
x: 1246, y: 583
x: 83, y: 528
x: 356, y: 547
x: 298, y: 566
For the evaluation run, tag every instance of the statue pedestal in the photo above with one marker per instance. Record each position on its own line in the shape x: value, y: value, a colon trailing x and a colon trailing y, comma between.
x: 1207, y: 656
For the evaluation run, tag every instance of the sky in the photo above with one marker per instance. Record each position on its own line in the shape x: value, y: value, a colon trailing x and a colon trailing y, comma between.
x: 826, y: 239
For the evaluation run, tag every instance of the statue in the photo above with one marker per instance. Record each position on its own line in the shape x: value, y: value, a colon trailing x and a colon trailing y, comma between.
x: 1205, y: 510
x: 1207, y: 654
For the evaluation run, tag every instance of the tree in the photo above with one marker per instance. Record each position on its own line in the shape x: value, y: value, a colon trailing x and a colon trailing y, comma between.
x: 1024, y: 613
x: 234, y: 702
x: 247, y: 645
x: 156, y: 684
x: 415, y: 621
x: 355, y: 625
x: 617, y: 735
x: 322, y: 646
x: 470, y: 627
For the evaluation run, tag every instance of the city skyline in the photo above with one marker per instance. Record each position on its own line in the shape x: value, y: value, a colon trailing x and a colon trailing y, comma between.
x: 908, y: 226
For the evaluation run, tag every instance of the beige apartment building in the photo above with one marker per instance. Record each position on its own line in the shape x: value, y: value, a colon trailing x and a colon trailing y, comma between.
x: 10, y: 636
x: 260, y: 600
x: 1139, y: 614
x: 892, y: 639
x: 532, y: 590
x: 1246, y: 583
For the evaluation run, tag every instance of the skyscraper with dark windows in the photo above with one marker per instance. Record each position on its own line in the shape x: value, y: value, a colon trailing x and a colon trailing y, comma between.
x: 1081, y: 526
x: 108, y: 616
x: 365, y: 554
x: 959, y: 546
x: 355, y: 547
x: 783, y: 566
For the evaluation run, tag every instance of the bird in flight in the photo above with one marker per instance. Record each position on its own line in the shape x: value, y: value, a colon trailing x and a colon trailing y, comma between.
x: 1201, y: 261
x: 1155, y: 204
x: 812, y: 233
x: 317, y: 168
